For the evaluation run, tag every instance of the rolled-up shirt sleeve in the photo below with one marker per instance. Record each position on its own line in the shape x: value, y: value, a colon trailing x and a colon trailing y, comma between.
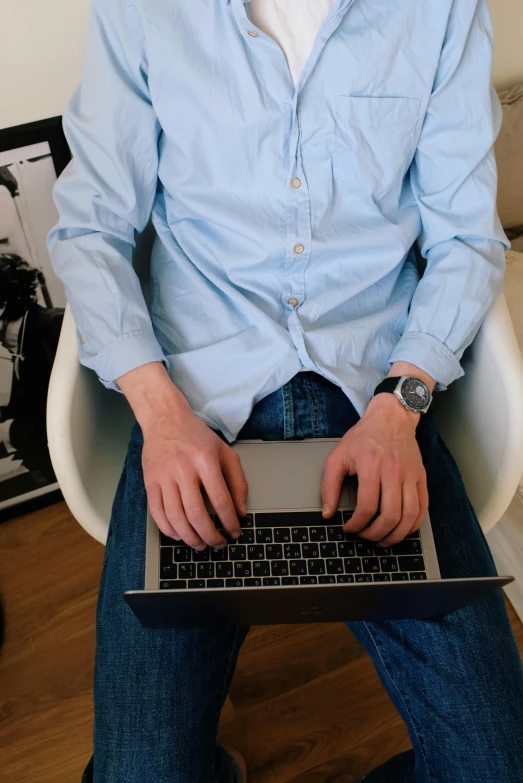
x: 105, y: 196
x: 454, y: 180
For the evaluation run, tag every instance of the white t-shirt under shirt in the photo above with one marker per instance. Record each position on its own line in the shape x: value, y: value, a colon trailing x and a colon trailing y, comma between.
x: 293, y: 24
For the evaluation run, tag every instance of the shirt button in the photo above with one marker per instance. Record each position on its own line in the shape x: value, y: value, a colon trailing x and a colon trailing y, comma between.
x: 292, y: 302
x: 252, y: 33
x: 298, y: 249
x: 296, y: 182
x: 82, y: 338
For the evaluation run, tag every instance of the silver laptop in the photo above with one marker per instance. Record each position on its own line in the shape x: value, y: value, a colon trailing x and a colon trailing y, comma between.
x: 292, y: 566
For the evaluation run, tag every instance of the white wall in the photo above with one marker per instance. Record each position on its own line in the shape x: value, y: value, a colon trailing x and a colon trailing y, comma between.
x: 43, y: 44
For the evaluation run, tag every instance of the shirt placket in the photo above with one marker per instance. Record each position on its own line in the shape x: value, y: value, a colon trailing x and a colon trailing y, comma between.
x: 298, y: 239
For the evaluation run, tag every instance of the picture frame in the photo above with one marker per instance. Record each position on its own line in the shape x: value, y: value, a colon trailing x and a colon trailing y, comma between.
x: 32, y: 302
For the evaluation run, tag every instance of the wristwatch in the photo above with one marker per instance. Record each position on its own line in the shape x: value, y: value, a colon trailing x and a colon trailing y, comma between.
x: 413, y: 393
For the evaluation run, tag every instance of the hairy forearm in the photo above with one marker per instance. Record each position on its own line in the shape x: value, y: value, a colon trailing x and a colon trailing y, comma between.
x: 152, y: 395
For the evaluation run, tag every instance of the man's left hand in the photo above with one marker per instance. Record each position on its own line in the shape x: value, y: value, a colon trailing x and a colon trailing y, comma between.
x: 381, y: 449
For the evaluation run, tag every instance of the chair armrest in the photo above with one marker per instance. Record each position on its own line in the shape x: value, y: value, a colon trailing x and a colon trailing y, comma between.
x: 480, y: 417
x: 88, y: 428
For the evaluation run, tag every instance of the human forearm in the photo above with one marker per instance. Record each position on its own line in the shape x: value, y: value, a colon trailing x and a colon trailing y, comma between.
x: 153, y: 396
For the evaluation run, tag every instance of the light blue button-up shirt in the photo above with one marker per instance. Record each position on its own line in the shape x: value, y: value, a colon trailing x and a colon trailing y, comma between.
x: 285, y: 217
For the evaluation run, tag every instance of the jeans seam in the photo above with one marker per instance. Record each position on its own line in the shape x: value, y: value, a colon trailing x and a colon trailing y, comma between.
x: 407, y: 710
x: 288, y: 412
x: 316, y: 426
x: 223, y: 693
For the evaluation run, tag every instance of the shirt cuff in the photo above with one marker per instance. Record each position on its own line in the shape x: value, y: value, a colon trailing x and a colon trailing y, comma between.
x: 429, y: 354
x: 126, y: 353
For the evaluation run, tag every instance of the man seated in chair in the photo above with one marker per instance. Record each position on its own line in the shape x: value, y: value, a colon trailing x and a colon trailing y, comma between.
x: 290, y: 155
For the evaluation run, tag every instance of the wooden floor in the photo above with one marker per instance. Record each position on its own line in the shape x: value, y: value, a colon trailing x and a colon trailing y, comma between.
x: 307, y: 703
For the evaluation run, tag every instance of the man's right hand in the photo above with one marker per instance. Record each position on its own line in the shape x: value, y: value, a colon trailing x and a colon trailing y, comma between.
x: 181, y: 455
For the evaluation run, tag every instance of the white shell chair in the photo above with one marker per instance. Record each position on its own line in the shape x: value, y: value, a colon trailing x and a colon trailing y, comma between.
x: 480, y: 418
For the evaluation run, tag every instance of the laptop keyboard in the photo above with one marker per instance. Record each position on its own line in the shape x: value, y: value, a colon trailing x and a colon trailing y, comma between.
x: 286, y: 549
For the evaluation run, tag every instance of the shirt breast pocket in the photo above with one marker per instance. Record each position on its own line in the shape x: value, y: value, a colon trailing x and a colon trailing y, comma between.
x: 375, y: 141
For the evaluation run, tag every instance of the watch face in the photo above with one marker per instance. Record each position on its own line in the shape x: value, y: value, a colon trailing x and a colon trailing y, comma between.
x: 415, y: 393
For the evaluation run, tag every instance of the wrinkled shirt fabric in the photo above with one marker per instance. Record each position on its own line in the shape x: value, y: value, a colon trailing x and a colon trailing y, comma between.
x: 286, y: 215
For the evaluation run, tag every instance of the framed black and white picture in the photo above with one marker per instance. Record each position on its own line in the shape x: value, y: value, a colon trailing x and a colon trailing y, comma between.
x: 32, y: 303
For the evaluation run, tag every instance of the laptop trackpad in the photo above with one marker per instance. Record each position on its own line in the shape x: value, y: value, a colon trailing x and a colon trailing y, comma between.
x: 288, y: 474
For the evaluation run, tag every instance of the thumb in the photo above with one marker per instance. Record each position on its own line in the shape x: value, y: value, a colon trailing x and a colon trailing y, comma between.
x: 333, y: 474
x: 235, y: 479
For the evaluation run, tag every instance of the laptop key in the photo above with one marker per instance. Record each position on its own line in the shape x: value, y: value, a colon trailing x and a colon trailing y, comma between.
x: 412, y: 547
x: 371, y: 564
x: 318, y: 534
x: 237, y: 552
x: 168, y: 569
x: 310, y: 550
x: 274, y: 552
x: 243, y: 569
x: 381, y: 577
x: 413, y: 535
x: 382, y: 550
x: 389, y: 564
x: 329, y: 550
x: 264, y: 536
x: 205, y: 570
x: 344, y: 579
x: 234, y: 583
x: 299, y: 534
x: 364, y: 549
x: 290, y: 580
x: 261, y: 569
x: 335, y: 566
x: 316, y: 566
x: 308, y: 580
x: 187, y: 570
x: 223, y: 570
x: 279, y: 567
x: 420, y: 575
x: 215, y: 583
x: 201, y: 557
x: 246, y: 521
x: 364, y: 578
x: 196, y: 583
x: 400, y: 577
x: 271, y: 581
x: 335, y: 533
x: 282, y: 535
x: 218, y: 554
x: 415, y: 563
x: 292, y: 551
x: 350, y: 536
x: 345, y: 549
x: 174, y: 584
x: 352, y: 565
x: 256, y: 552
x: 327, y: 580
x: 298, y: 567
x: 253, y: 581
x: 246, y: 537
x: 166, y: 541
x: 182, y: 554
x: 347, y: 514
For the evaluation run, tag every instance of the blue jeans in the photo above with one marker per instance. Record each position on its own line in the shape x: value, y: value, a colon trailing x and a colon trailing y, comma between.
x: 457, y: 681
